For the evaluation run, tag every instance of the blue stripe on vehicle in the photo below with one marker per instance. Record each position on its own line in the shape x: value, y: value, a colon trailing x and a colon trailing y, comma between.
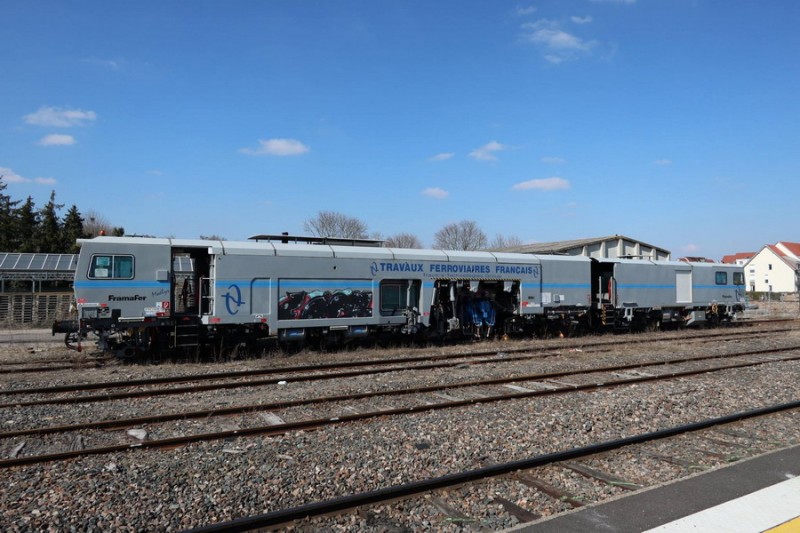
x: 117, y: 284
x: 260, y: 283
x: 325, y: 283
x: 645, y: 286
x: 565, y: 286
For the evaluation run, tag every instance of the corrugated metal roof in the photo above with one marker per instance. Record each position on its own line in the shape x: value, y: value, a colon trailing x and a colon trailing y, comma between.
x: 561, y: 246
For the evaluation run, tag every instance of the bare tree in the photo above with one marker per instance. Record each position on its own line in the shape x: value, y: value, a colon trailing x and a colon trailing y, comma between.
x: 212, y: 237
x: 333, y: 224
x: 96, y: 224
x: 465, y: 235
x: 403, y: 240
x: 501, y: 241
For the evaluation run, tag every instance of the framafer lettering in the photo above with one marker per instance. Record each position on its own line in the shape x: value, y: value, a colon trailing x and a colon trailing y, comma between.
x: 134, y: 298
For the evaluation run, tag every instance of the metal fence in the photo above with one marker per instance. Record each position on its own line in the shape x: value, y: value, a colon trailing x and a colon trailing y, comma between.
x: 33, y: 309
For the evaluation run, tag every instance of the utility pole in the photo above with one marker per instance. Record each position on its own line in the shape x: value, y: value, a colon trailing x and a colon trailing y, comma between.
x: 797, y: 284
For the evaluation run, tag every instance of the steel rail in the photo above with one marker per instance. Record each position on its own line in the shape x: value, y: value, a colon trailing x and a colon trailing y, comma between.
x: 291, y: 379
x: 151, y: 419
x: 52, y: 368
x: 53, y: 360
x: 544, y: 351
x: 344, y: 503
x: 278, y: 429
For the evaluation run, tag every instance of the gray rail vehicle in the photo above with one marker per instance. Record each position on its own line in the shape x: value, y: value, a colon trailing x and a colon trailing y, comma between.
x: 149, y: 295
x: 641, y: 294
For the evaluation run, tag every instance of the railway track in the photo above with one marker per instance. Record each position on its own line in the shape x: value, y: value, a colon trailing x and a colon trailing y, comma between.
x: 303, y: 374
x: 183, y: 486
x: 66, y: 363
x: 432, y: 492
x: 544, y: 384
x: 56, y: 365
x: 315, y: 371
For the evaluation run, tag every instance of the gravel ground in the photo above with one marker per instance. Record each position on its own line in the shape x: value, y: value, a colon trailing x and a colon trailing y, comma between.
x: 214, y: 481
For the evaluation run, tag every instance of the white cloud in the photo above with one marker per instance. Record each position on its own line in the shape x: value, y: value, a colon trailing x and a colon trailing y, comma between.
x: 664, y: 162
x: 690, y: 248
x: 486, y: 152
x: 9, y: 176
x: 277, y: 147
x: 556, y: 44
x: 436, y: 192
x: 60, y: 117
x: 559, y: 40
x: 553, y: 160
x: 57, y: 139
x: 581, y: 20
x: 544, y: 184
x: 526, y: 10
x: 444, y: 156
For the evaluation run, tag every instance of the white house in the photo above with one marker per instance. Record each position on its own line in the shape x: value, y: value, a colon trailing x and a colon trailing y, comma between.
x: 774, y: 268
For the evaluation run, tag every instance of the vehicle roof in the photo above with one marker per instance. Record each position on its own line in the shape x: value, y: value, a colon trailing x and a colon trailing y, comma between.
x: 325, y: 250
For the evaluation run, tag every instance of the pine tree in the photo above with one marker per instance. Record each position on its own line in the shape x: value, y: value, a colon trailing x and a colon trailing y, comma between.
x: 48, y: 240
x: 71, y: 231
x: 26, y: 221
x: 7, y: 219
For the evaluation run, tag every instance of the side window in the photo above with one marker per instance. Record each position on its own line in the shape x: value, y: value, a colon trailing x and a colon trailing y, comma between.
x: 721, y: 278
x: 738, y: 278
x: 111, y: 267
x: 397, y: 295
x: 391, y: 297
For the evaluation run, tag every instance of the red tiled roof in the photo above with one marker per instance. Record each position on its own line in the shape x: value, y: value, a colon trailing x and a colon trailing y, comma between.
x: 696, y: 259
x: 731, y: 259
x: 793, y: 247
x: 778, y: 251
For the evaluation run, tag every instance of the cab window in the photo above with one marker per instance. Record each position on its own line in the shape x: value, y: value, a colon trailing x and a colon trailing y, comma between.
x: 722, y: 278
x: 111, y: 267
x: 738, y: 278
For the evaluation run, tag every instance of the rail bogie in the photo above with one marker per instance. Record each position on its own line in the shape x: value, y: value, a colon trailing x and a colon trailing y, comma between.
x: 145, y: 295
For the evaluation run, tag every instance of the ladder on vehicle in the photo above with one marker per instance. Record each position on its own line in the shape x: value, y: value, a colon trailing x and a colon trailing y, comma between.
x: 186, y: 335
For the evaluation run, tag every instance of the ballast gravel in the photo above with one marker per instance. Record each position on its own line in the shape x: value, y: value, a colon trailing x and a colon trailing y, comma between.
x: 209, y: 482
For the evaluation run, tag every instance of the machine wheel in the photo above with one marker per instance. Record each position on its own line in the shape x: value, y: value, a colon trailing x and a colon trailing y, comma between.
x: 72, y: 340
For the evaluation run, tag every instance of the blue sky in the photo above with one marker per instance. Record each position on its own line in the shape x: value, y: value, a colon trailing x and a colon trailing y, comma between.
x: 675, y: 122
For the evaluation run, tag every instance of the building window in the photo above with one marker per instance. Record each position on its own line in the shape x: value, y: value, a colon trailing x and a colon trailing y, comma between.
x: 770, y: 266
x: 111, y: 267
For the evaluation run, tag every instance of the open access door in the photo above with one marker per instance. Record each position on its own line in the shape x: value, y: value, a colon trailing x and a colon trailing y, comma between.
x: 190, y: 281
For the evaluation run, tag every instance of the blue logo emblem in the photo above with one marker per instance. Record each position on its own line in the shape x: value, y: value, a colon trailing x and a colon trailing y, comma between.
x: 233, y: 299
x: 373, y: 268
